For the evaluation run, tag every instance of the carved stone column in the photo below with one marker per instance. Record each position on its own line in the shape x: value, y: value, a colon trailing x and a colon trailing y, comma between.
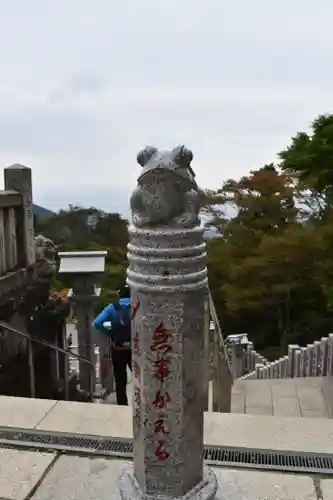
x: 168, y: 280
x: 18, y: 178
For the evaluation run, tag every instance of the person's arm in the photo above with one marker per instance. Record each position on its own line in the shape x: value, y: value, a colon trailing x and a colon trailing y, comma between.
x: 106, y: 315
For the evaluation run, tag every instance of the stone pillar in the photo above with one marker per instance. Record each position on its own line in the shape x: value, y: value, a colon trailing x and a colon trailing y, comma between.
x: 169, y: 287
x: 18, y: 178
x: 105, y: 369
x: 238, y: 346
x: 11, y: 245
x: 3, y: 263
x: 83, y: 299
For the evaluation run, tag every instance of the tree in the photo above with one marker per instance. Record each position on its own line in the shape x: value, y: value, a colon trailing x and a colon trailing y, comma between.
x: 79, y: 228
x: 309, y: 160
x: 279, y: 281
x: 261, y: 202
x: 270, y: 270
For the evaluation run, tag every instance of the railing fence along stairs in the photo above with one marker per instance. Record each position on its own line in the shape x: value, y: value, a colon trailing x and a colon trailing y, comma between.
x: 313, y: 360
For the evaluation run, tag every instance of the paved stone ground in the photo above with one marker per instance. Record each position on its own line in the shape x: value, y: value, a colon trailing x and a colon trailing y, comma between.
x: 30, y: 475
x: 44, y: 476
x: 302, y: 397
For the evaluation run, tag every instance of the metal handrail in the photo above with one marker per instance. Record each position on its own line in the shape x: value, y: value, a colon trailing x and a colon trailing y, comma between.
x: 67, y: 353
x: 220, y: 339
x: 222, y: 377
x: 96, y: 352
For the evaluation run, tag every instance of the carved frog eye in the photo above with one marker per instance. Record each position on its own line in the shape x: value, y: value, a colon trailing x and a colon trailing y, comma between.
x: 182, y: 156
x: 145, y: 155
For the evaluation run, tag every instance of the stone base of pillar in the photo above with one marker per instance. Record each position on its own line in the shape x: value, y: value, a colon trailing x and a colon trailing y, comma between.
x: 130, y: 489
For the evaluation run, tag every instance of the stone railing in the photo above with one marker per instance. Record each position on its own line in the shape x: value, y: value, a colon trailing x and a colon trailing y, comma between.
x: 10, y: 203
x: 314, y: 360
x: 243, y: 358
x: 17, y: 247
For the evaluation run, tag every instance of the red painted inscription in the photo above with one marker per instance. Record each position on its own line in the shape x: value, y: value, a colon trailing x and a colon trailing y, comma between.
x: 136, y: 369
x: 136, y: 343
x: 137, y: 396
x: 161, y: 341
x: 159, y: 426
x: 161, y: 400
x: 137, y: 406
x: 135, y: 308
x: 161, y: 369
x: 161, y: 452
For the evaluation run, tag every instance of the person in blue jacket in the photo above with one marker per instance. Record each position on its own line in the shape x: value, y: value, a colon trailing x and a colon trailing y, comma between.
x: 119, y: 315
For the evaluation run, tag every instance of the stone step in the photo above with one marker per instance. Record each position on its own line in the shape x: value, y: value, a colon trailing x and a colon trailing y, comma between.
x: 297, y: 397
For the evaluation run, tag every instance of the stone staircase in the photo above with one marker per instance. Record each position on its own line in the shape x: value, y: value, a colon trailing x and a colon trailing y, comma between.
x: 293, y: 397
x: 299, y: 384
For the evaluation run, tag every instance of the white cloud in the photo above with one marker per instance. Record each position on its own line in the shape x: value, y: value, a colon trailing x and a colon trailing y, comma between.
x: 85, y: 86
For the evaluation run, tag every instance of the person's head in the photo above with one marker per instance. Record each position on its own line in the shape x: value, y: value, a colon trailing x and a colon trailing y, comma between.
x: 125, y: 292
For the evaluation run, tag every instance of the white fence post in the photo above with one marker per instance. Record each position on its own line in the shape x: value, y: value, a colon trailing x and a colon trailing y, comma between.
x: 292, y: 348
x: 285, y: 366
x: 251, y: 360
x: 316, y: 359
x: 238, y: 345
x: 275, y: 369
x: 258, y: 367
x: 324, y: 355
x: 297, y: 362
x: 249, y: 357
x: 280, y: 368
x: 254, y: 360
x: 309, y: 360
x: 330, y: 355
x: 303, y: 356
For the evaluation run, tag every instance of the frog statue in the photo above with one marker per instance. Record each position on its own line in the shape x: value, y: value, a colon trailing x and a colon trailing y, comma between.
x: 46, y: 253
x: 167, y: 193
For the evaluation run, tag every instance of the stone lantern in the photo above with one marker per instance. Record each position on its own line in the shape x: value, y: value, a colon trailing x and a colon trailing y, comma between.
x: 83, y: 270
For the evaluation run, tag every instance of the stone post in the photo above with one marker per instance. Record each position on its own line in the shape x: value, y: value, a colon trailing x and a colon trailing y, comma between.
x: 238, y: 345
x: 169, y: 287
x: 18, y: 178
x: 83, y: 301
x: 292, y: 359
x: 105, y: 369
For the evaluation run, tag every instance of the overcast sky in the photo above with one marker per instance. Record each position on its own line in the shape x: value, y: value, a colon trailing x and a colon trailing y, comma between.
x: 85, y: 85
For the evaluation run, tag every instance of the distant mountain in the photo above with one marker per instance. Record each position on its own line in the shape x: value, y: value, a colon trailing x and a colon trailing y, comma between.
x: 42, y: 213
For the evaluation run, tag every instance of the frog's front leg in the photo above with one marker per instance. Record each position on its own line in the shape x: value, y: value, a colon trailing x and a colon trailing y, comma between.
x: 139, y: 209
x: 189, y: 217
x: 140, y: 221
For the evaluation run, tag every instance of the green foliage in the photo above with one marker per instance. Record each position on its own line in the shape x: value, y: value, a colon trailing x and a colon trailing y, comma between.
x: 78, y: 228
x: 271, y: 270
x: 309, y: 159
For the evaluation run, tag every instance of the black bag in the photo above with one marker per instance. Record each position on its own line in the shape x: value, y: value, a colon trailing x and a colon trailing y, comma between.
x: 121, y: 325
